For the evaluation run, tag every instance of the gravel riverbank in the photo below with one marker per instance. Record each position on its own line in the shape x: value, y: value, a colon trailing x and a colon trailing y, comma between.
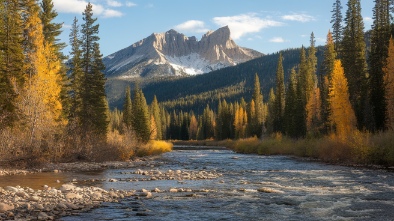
x: 50, y: 203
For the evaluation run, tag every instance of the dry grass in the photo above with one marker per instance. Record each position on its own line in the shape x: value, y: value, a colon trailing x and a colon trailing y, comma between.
x: 154, y: 147
x: 359, y: 148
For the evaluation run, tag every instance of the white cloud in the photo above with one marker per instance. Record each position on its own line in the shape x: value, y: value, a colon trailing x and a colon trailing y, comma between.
x: 298, y: 17
x: 78, y: 6
x: 368, y: 19
x: 113, y: 3
x: 130, y: 4
x: 243, y: 24
x: 65, y: 26
x: 277, y: 40
x: 192, y: 26
x: 109, y: 13
x: 70, y: 6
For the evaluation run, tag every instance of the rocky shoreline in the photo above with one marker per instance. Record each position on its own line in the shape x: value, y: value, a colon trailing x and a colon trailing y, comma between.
x: 17, y: 203
x: 49, y: 203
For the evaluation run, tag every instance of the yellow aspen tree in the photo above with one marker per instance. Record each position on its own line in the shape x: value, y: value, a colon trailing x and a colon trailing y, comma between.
x: 313, y: 110
x: 342, y: 116
x: 42, y: 104
x: 389, y: 85
x: 193, y: 128
x: 153, y: 128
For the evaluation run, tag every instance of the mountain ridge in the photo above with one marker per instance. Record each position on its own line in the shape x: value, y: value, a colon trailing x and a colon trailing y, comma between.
x: 174, y: 54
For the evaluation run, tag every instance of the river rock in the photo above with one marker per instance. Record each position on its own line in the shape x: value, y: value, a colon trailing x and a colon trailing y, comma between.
x: 67, y: 187
x: 97, y: 195
x: 22, y: 194
x: 12, y: 189
x: 269, y: 190
x: 5, y: 207
x: 173, y: 190
x: 34, y: 198
x: 146, y: 194
x: 156, y: 190
x: 44, y: 216
x: 73, y: 196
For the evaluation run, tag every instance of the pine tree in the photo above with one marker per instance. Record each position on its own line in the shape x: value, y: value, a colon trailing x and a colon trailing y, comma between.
x: 279, y: 97
x: 11, y: 41
x: 155, y: 112
x: 208, y: 123
x: 127, y: 109
x: 8, y: 108
x: 258, y: 119
x: 389, y: 85
x: 224, y: 125
x: 290, y: 106
x: 354, y: 60
x: 336, y: 21
x: 93, y: 117
x: 313, y: 110
x: 51, y: 30
x: 325, y: 78
x: 271, y: 111
x: 141, y: 124
x: 342, y: 116
x: 381, y: 31
x: 76, y: 77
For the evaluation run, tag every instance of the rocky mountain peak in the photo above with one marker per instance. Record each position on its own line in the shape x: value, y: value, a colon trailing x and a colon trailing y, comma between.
x: 172, y: 53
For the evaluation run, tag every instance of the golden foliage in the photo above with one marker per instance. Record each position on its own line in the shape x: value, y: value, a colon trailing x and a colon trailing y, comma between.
x: 240, y: 122
x: 154, y: 147
x: 342, y: 117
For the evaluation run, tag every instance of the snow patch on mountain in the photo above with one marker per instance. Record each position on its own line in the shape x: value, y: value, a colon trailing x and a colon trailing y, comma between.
x: 192, y: 64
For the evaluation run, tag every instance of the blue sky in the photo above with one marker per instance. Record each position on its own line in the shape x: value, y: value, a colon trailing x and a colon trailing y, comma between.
x: 263, y: 25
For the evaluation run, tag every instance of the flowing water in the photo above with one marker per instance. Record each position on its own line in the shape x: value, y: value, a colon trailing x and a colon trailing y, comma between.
x: 249, y: 187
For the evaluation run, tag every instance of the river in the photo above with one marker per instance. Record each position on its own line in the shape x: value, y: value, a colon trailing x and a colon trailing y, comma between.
x: 246, y: 187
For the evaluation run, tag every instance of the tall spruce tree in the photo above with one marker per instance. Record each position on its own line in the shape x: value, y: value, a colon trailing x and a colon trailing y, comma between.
x: 290, y: 106
x: 325, y: 78
x: 271, y: 111
x: 127, y: 109
x: 76, y: 76
x: 258, y: 119
x: 354, y: 59
x: 93, y: 117
x: 141, y: 118
x: 336, y: 20
x: 155, y: 112
x: 11, y: 42
x: 51, y: 30
x: 381, y: 31
x: 8, y: 96
x: 279, y: 105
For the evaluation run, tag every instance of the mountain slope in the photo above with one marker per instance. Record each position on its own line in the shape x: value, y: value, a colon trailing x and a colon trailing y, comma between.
x: 231, y: 83
x: 173, y: 54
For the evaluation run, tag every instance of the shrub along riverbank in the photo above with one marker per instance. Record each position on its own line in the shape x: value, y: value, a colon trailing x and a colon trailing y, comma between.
x: 357, y: 149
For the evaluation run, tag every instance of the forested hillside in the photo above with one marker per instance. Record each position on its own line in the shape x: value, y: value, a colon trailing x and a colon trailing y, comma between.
x: 231, y: 83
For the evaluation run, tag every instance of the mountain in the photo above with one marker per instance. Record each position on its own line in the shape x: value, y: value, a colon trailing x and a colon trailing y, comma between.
x: 173, y: 54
